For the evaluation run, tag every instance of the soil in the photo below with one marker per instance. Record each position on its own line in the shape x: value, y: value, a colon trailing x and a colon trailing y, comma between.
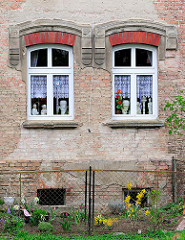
x: 122, y: 226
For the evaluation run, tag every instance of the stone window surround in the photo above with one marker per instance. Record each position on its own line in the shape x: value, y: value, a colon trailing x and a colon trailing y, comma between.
x: 95, y: 50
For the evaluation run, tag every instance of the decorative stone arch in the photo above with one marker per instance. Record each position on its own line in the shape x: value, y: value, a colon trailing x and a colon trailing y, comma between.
x: 48, y: 31
x: 133, y: 31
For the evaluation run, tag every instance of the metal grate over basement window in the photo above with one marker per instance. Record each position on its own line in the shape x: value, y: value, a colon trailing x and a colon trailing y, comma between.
x: 133, y: 193
x: 51, y: 196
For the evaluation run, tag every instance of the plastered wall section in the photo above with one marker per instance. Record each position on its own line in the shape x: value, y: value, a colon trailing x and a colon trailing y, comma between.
x: 92, y: 141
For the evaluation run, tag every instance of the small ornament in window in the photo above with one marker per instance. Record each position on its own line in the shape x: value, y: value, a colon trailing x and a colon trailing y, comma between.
x: 138, y: 108
x: 44, y: 110
x: 34, y: 110
x: 125, y: 108
x: 63, y: 107
x: 143, y: 100
x: 150, y: 106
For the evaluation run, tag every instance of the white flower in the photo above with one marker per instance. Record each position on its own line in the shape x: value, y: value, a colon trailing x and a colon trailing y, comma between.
x: 23, y: 201
x: 36, y: 200
x: 16, y: 207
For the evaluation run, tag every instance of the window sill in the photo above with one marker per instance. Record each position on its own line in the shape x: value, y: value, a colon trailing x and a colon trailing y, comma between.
x: 136, y: 124
x: 49, y: 124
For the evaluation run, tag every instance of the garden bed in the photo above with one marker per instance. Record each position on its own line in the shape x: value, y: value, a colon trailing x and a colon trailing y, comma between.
x: 123, y: 225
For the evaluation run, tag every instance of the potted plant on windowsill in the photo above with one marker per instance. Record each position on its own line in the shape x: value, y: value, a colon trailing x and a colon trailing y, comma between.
x: 119, y: 102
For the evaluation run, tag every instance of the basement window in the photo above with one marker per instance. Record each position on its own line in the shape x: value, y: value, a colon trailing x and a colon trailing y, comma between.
x: 51, y: 196
x: 133, y: 193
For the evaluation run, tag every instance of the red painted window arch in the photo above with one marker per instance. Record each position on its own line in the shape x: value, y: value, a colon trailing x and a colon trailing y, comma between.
x: 135, y: 37
x: 49, y: 37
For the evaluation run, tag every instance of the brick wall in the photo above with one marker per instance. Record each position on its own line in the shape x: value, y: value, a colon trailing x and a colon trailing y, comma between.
x: 92, y: 142
x: 172, y: 73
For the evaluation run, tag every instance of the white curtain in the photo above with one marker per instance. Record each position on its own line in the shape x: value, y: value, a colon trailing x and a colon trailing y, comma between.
x: 122, y: 83
x: 61, y: 86
x: 38, y: 86
x: 144, y: 86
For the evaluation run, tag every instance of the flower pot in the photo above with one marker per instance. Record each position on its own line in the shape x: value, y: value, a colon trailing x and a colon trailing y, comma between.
x: 8, y: 200
x: 118, y: 111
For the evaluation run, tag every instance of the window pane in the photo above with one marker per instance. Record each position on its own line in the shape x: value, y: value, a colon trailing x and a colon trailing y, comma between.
x: 122, y: 94
x: 38, y: 95
x: 39, y: 58
x: 60, y: 94
x: 143, y: 58
x: 60, y: 58
x: 144, y: 94
x: 123, y: 58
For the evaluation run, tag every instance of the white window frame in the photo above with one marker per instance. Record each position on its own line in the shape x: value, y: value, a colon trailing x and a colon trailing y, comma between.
x: 50, y: 71
x: 133, y: 71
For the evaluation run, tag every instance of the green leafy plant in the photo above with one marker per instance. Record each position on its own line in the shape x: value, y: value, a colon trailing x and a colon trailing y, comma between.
x: 78, y: 214
x: 176, y: 120
x: 65, y: 223
x: 38, y: 215
x: 45, y: 227
x: 154, y: 196
x: 11, y: 223
x: 1, y: 201
x: 29, y: 206
x: 53, y: 215
x: 155, y: 214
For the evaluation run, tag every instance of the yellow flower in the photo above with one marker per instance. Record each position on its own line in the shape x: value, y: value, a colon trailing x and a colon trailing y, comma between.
x: 115, y: 220
x: 138, y: 202
x: 144, y: 191
x: 129, y: 215
x: 129, y: 186
x: 127, y: 200
x: 109, y: 222
x: 147, y: 212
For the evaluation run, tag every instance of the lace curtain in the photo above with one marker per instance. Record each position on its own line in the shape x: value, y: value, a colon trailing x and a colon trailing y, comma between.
x: 38, y: 86
x: 122, y: 83
x: 61, y: 86
x: 144, y: 86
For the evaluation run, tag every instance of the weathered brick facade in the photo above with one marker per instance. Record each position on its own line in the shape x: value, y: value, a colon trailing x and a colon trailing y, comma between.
x: 93, y: 142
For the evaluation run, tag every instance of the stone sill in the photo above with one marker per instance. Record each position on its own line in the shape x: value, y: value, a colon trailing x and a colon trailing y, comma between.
x: 49, y: 124
x: 135, y: 124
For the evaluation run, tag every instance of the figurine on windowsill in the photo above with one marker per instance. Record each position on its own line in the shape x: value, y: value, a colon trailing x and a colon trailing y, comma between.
x: 138, y: 108
x: 63, y: 107
x: 150, y: 106
x: 34, y: 110
x: 125, y: 107
x: 44, y: 110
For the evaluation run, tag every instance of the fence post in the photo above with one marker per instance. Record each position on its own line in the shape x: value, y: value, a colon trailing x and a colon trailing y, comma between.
x: 93, y: 200
x: 174, y: 180
x: 85, y: 196
x: 89, y: 216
